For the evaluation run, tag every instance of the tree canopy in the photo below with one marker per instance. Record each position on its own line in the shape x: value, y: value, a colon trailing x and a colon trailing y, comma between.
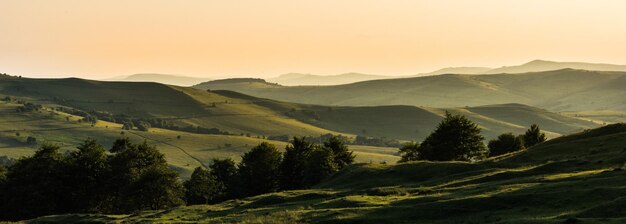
x: 505, y: 143
x: 533, y: 136
x: 454, y: 138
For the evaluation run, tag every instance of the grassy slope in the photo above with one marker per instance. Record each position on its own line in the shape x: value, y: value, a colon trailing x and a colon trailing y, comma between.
x: 183, y: 154
x: 578, y: 177
x: 560, y: 90
x: 182, y: 106
x: 238, y: 113
x: 415, y: 123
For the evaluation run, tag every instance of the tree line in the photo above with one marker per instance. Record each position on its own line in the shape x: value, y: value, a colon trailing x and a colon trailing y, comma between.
x: 457, y: 138
x: 130, y: 177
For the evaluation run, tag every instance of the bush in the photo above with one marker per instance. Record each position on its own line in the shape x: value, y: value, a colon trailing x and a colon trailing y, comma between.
x: 31, y: 140
x: 505, y: 143
x: 259, y: 169
x: 455, y: 138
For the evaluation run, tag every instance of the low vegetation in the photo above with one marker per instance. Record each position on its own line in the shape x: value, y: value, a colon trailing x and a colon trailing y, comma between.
x: 133, y: 177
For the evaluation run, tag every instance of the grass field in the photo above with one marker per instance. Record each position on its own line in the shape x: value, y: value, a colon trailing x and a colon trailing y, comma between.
x: 573, y: 179
x: 242, y: 114
x: 184, y: 154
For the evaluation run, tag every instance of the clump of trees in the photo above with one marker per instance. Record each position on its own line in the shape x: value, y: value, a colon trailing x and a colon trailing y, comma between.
x: 505, y: 143
x: 533, y: 136
x: 508, y: 142
x: 455, y: 138
x: 28, y: 107
x: 265, y: 169
x: 129, y: 178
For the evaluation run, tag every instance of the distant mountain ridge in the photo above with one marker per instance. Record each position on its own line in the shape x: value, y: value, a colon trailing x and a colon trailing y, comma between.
x: 560, y: 90
x: 543, y: 65
x: 177, y: 80
x: 299, y: 79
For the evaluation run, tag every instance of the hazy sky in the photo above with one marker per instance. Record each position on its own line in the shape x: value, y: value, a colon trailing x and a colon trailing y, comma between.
x: 99, y: 39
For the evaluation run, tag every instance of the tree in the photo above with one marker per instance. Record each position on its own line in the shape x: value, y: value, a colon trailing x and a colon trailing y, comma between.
x: 128, y: 166
x: 202, y: 187
x: 292, y: 168
x: 533, y: 136
x: 86, y: 175
x: 31, y: 140
x: 505, y: 143
x: 455, y: 138
x: 342, y: 156
x: 409, y: 152
x: 318, y: 166
x: 225, y: 173
x: 34, y: 185
x: 156, y: 188
x: 143, y: 126
x: 259, y: 169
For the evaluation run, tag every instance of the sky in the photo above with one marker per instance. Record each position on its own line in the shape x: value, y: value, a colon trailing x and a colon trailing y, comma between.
x: 208, y: 38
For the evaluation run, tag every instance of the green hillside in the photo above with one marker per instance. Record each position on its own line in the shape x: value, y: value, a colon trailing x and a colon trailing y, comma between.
x: 241, y: 114
x: 178, y: 105
x: 573, y: 179
x: 415, y: 123
x: 559, y: 90
x: 183, y: 154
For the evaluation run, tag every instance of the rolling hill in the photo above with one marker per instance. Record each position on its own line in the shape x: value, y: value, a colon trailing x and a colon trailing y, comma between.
x: 543, y: 65
x: 559, y: 90
x: 572, y: 179
x: 246, y: 115
x: 299, y: 79
x: 184, y: 151
x: 178, y: 80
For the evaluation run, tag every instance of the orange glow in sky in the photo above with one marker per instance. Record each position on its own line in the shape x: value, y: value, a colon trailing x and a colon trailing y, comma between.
x: 101, y: 39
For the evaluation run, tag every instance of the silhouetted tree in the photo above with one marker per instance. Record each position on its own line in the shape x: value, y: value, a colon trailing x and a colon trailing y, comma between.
x: 320, y: 164
x: 34, y: 185
x: 128, y: 165
x: 156, y: 188
x: 409, y: 152
x: 455, y: 138
x: 533, y: 136
x: 225, y: 173
x: 505, y: 143
x: 342, y: 156
x: 259, y: 169
x: 292, y: 168
x: 202, y: 187
x: 86, y: 177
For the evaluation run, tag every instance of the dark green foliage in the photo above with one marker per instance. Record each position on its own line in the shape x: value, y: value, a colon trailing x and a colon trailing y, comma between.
x: 409, y: 152
x: 225, y: 173
x: 29, y: 107
x: 505, y: 143
x: 202, y: 187
x: 143, y: 126
x: 31, y: 140
x: 320, y: 164
x: 88, y: 167
x: 533, y: 136
x: 259, y: 169
x: 128, y: 167
x: 34, y: 185
x: 156, y: 188
x: 292, y: 168
x: 342, y: 156
x: 373, y: 141
x: 89, y: 180
x: 455, y: 138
